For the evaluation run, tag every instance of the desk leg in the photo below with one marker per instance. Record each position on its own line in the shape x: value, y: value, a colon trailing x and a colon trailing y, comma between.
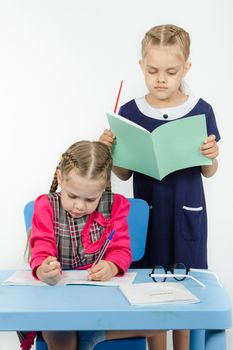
x: 197, y: 340
x: 215, y: 340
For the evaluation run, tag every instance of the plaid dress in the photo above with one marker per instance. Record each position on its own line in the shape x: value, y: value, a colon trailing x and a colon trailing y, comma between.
x: 78, y: 240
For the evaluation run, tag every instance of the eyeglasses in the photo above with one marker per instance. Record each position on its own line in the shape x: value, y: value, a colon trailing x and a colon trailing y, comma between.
x: 178, y: 271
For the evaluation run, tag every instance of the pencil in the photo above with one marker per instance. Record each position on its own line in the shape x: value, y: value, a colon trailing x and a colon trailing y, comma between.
x: 104, y: 247
x: 118, y: 97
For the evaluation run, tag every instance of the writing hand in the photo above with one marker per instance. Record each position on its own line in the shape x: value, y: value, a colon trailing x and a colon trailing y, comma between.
x: 210, y: 148
x: 108, y: 138
x: 49, y: 271
x: 102, y: 271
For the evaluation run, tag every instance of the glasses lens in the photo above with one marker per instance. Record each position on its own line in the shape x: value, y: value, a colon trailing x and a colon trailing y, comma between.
x: 158, y: 270
x: 180, y: 269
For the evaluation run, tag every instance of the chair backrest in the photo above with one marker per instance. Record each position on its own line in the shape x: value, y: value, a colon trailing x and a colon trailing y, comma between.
x: 137, y: 220
x: 28, y: 212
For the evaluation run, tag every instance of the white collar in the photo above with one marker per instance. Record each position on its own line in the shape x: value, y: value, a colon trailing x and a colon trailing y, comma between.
x: 171, y: 112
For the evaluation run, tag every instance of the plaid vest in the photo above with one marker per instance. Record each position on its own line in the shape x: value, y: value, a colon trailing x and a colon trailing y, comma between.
x: 79, y: 240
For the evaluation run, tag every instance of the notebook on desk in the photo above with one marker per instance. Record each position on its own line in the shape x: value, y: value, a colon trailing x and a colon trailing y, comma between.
x: 25, y: 278
x: 158, y: 293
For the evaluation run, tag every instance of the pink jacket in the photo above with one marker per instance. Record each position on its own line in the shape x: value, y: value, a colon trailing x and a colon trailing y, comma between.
x: 43, y: 240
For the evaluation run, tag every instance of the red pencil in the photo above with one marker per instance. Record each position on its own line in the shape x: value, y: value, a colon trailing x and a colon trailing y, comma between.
x: 118, y: 97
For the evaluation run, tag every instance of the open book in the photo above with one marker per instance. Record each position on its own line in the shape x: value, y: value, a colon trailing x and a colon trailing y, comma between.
x: 25, y: 278
x: 170, y: 147
x: 158, y: 293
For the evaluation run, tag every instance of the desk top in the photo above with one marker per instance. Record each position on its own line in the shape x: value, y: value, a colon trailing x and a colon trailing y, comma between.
x: 102, y: 308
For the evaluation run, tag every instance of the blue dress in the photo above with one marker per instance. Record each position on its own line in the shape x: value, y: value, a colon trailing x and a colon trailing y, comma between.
x: 178, y: 221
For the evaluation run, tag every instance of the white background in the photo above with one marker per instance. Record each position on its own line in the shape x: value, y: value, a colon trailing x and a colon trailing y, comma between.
x: 61, y: 63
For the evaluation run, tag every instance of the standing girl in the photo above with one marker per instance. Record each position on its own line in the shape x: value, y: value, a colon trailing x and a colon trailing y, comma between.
x: 69, y: 229
x: 178, y: 223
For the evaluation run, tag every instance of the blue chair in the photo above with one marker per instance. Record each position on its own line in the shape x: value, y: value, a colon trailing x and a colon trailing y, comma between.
x: 138, y: 222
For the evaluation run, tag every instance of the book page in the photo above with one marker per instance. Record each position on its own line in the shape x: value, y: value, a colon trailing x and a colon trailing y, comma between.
x: 22, y: 278
x: 25, y: 278
x: 177, y: 144
x: 133, y: 148
x: 81, y: 277
x: 158, y: 293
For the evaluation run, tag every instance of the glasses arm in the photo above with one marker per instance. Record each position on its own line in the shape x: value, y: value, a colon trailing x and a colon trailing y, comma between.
x: 209, y: 271
x: 164, y: 275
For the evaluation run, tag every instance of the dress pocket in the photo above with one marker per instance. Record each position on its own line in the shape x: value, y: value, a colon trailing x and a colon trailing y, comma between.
x: 192, y: 223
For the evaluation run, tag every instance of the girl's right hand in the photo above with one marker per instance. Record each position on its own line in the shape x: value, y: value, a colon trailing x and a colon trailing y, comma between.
x: 49, y: 271
x: 108, y: 138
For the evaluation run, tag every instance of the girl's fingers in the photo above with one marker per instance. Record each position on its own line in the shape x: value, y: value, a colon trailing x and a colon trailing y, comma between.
x: 208, y: 145
x: 54, y: 265
x: 108, y: 132
x: 99, y: 272
x: 107, y: 137
x: 212, y: 149
x: 96, y: 268
x: 210, y: 138
x: 51, y: 264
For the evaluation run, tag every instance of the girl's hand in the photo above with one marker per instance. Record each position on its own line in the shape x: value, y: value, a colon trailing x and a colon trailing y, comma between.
x: 103, y: 271
x: 108, y: 138
x: 210, y: 147
x: 49, y: 271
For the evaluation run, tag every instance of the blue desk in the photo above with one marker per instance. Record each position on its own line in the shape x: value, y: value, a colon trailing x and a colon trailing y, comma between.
x: 105, y: 308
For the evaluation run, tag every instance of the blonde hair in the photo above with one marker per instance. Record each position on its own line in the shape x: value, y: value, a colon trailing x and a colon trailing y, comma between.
x: 91, y: 159
x: 167, y: 35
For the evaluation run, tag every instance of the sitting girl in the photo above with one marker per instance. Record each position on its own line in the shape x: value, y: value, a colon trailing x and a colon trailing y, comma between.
x: 69, y: 229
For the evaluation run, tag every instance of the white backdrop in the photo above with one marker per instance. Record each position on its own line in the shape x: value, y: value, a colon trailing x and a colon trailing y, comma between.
x: 61, y: 63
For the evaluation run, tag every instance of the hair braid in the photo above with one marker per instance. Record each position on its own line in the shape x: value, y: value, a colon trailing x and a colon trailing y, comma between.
x: 91, y: 159
x: 54, y: 183
x: 69, y: 160
x: 108, y: 186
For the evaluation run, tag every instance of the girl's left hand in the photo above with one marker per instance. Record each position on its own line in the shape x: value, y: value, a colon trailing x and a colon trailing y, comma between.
x: 102, y: 271
x: 210, y: 147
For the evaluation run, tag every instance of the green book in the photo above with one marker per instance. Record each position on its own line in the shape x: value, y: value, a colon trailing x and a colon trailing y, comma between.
x: 170, y: 147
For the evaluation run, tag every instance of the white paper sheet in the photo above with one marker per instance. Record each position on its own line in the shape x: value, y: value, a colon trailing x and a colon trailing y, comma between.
x: 25, y: 278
